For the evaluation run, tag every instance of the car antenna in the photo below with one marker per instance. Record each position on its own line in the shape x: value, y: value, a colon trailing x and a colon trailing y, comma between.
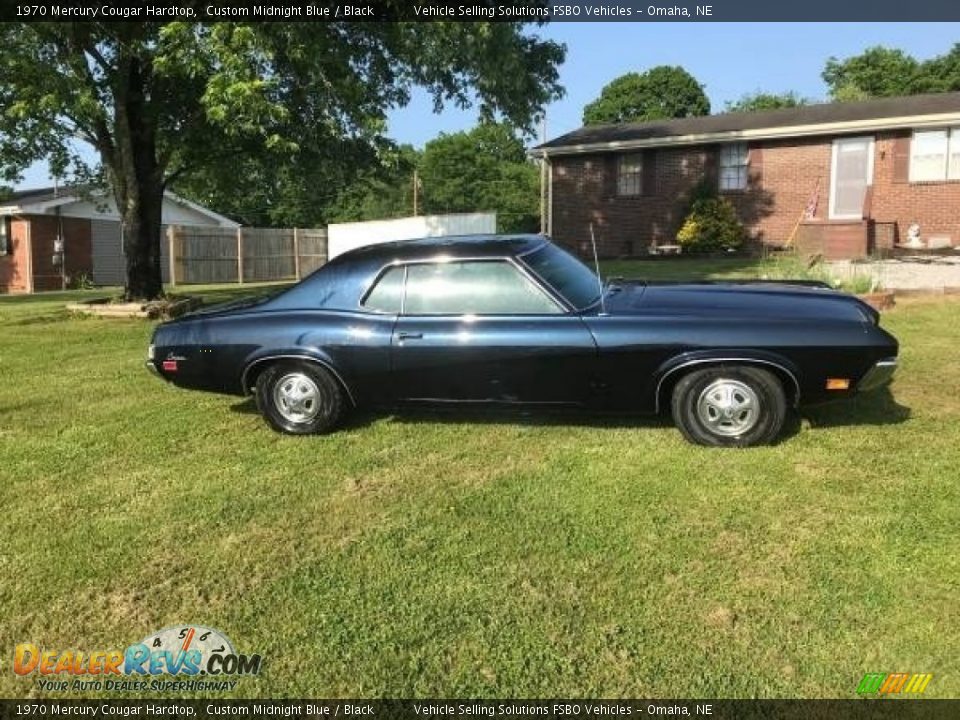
x: 596, y: 265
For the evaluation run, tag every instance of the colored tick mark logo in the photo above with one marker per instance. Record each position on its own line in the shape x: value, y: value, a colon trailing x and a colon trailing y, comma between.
x: 893, y: 683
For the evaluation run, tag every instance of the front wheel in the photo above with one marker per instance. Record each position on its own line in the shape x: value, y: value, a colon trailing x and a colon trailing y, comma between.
x: 732, y: 406
x: 299, y: 398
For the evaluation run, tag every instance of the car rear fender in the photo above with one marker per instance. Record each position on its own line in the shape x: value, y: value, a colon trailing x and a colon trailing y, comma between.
x: 674, y: 368
x: 256, y: 364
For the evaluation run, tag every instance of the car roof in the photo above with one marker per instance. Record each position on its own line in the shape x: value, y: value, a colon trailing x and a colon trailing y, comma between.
x: 453, y: 246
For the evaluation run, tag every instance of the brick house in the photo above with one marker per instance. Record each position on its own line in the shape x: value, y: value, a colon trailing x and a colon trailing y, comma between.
x: 843, y: 179
x: 49, y: 237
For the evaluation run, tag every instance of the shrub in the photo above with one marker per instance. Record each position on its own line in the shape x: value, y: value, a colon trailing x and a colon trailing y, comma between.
x: 711, y: 226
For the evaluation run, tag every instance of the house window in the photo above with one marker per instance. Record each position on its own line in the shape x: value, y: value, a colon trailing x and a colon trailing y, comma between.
x: 935, y: 155
x: 630, y: 174
x: 6, y: 247
x: 734, y: 163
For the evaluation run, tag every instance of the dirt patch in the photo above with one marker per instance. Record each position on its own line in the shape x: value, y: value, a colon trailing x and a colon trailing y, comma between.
x: 163, y: 309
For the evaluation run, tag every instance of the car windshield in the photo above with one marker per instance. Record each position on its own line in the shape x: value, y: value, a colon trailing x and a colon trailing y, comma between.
x: 566, y: 274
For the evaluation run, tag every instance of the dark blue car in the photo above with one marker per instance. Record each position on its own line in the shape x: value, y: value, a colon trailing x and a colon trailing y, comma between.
x: 518, y: 320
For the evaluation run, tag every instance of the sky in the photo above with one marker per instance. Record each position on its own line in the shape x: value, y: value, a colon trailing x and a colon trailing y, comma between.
x: 729, y: 59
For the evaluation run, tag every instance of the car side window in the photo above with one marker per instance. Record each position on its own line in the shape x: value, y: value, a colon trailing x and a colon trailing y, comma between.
x: 387, y: 295
x: 491, y: 287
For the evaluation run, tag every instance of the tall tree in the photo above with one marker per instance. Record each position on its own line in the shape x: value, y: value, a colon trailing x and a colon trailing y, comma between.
x: 942, y: 73
x: 876, y: 72
x: 270, y: 189
x: 757, y: 101
x: 485, y: 169
x: 660, y: 93
x: 161, y: 100
x: 383, y: 189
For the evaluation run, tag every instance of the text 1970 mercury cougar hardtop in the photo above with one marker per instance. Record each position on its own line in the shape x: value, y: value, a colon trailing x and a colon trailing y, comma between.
x: 517, y: 320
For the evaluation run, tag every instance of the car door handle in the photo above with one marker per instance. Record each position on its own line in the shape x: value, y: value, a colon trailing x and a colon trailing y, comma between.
x: 401, y: 336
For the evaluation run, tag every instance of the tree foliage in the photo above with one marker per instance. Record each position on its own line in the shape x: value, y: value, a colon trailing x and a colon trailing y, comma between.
x: 660, y: 93
x: 758, y: 101
x: 267, y: 106
x: 382, y: 190
x: 485, y: 169
x: 887, y: 72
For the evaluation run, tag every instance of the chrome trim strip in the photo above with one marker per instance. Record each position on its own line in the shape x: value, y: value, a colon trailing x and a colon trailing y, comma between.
x: 152, y: 368
x: 544, y: 287
x: 704, y: 361
x: 556, y: 292
x: 877, y: 376
x: 309, y: 358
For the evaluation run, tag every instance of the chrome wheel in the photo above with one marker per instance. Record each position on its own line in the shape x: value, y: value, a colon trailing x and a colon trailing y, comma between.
x: 728, y: 407
x: 297, y: 398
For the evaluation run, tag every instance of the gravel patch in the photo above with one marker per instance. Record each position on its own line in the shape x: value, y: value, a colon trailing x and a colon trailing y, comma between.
x: 933, y: 273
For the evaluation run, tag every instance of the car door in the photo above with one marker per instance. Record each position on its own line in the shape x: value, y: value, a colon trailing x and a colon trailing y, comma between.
x: 484, y: 330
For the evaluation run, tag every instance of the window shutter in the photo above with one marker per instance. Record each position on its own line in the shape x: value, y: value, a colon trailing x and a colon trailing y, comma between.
x: 755, y: 167
x: 901, y: 159
x: 649, y: 182
x: 610, y: 169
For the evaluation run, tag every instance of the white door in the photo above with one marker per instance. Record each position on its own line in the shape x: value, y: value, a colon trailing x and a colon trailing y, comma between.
x: 851, y: 173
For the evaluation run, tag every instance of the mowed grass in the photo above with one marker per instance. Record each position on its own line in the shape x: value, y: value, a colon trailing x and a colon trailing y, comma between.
x: 475, y: 555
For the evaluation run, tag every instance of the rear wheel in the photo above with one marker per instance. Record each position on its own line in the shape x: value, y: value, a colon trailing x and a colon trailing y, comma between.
x: 731, y: 406
x: 299, y: 398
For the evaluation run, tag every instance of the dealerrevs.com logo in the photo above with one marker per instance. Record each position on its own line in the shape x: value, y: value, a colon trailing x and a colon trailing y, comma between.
x: 196, y: 657
x: 894, y: 683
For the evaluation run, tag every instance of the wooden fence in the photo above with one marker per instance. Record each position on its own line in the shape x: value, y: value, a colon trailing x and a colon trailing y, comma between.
x: 221, y: 255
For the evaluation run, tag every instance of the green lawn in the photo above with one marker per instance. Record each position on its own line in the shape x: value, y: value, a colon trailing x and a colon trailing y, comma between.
x: 423, y: 555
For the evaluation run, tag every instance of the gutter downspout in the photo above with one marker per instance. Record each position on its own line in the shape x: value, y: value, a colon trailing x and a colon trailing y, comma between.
x: 28, y: 245
x: 543, y: 194
x: 63, y: 250
x: 549, y: 195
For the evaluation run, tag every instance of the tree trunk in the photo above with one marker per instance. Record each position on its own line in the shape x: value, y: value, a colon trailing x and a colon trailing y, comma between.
x: 137, y: 181
x: 141, y: 244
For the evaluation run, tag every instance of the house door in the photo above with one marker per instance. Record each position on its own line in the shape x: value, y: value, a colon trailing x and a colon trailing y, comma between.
x: 851, y: 173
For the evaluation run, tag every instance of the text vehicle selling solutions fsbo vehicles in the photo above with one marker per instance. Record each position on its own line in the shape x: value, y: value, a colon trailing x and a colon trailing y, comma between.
x: 518, y: 320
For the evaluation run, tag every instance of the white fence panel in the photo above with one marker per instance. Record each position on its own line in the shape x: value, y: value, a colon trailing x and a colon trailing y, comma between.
x: 342, y: 237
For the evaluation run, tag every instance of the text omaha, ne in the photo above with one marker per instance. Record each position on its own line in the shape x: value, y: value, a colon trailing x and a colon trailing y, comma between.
x: 559, y: 10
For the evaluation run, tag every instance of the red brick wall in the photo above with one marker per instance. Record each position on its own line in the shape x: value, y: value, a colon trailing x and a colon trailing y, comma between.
x: 791, y: 172
x: 783, y: 176
x: 935, y: 205
x: 78, y: 255
x: 836, y: 240
x: 584, y: 192
x: 15, y: 266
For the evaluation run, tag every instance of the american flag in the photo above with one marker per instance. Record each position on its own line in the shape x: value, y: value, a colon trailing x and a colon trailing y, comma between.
x: 810, y: 211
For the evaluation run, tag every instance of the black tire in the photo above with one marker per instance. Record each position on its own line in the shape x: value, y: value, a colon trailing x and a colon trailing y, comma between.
x: 729, y: 406
x: 299, y: 398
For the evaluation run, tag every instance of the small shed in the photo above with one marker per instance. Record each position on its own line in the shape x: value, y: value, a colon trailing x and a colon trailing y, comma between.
x: 52, y: 237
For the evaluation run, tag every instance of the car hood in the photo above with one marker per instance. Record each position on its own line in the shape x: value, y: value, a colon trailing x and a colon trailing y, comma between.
x: 757, y: 299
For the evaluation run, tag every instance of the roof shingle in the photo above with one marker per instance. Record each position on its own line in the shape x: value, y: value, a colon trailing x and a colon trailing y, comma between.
x: 825, y: 114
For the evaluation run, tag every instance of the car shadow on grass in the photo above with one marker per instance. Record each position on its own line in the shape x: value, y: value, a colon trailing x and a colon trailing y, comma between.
x: 874, y: 408
x: 484, y: 415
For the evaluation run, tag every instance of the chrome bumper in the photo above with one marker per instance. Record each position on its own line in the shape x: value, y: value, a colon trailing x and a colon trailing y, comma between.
x: 878, y: 376
x: 152, y: 368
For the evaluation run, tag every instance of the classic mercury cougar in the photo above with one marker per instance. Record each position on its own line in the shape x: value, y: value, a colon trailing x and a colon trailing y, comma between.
x: 517, y: 320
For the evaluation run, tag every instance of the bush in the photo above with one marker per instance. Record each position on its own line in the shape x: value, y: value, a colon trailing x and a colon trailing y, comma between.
x: 711, y: 226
